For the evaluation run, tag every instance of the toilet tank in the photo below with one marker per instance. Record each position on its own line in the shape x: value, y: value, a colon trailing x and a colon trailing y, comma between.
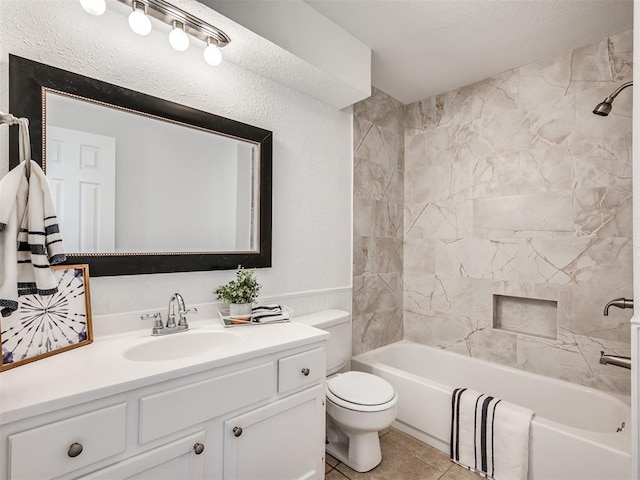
x: 338, y: 324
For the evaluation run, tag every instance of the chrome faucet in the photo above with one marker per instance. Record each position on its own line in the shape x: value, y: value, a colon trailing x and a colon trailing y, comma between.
x: 618, y: 302
x: 617, y: 360
x: 171, y: 316
x: 171, y: 327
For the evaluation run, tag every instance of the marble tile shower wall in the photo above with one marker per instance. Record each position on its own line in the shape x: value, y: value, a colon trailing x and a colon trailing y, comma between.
x: 378, y: 221
x: 513, y: 187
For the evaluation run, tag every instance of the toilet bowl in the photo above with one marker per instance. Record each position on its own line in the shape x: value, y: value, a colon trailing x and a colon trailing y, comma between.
x: 358, y: 404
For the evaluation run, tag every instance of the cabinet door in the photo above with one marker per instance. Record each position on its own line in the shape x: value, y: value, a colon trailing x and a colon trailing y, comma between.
x: 280, y: 441
x: 176, y: 460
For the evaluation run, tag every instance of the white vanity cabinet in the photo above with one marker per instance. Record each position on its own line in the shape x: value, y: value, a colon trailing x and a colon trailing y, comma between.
x: 182, y: 459
x: 258, y: 418
x: 285, y: 439
x: 277, y: 441
x: 56, y: 448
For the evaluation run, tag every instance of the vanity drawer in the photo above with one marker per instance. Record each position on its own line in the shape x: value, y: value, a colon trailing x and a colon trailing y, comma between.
x: 45, y: 452
x: 170, y: 411
x: 304, y: 368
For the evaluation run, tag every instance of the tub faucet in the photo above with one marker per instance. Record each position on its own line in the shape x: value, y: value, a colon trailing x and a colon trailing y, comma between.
x: 618, y: 302
x: 617, y: 360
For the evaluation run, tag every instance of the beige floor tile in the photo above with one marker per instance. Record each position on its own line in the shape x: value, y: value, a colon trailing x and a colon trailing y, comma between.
x: 456, y: 472
x: 434, y: 457
x: 331, y: 460
x: 327, y: 468
x: 396, y: 464
x: 335, y: 475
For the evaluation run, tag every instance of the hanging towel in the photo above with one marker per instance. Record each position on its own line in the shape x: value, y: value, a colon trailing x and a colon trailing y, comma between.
x: 490, y: 436
x: 30, y: 239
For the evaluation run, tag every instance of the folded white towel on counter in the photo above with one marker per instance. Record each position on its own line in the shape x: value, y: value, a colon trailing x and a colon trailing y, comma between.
x: 269, y: 313
x: 490, y: 436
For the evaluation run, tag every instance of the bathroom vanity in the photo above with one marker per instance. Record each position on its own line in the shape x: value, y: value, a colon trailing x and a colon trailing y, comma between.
x: 244, y: 403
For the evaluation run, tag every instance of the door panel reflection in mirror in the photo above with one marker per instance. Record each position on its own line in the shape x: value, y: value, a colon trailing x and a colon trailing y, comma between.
x: 82, y: 166
x: 158, y: 170
x: 188, y: 190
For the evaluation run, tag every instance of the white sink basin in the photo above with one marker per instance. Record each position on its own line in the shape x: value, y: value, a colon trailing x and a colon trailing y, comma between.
x: 180, y: 345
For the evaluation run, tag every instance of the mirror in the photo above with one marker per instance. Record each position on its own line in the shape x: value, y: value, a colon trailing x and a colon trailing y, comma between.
x: 153, y: 186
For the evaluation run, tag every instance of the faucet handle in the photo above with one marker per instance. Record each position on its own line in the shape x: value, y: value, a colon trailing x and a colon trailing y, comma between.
x: 157, y: 316
x: 183, y: 315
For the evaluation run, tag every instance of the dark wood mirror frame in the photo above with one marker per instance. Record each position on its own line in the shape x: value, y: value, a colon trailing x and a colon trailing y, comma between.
x: 27, y: 79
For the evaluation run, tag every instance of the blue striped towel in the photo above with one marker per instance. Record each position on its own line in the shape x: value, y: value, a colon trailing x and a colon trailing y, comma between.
x: 490, y: 436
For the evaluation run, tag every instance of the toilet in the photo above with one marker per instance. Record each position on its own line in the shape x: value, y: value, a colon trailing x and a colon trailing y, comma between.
x: 359, y: 404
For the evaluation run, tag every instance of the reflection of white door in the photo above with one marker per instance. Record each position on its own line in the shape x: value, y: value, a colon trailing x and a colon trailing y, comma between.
x: 81, y: 170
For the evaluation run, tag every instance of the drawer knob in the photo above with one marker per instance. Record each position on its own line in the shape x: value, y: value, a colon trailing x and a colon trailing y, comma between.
x: 75, y: 449
x: 237, y: 431
x: 198, y: 448
x: 305, y: 371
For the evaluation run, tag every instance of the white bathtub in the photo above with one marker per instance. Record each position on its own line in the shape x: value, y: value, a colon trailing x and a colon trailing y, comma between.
x: 573, y: 432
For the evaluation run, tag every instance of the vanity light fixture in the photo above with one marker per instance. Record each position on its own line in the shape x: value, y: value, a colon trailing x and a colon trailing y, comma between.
x: 183, y: 25
x: 212, y: 54
x: 138, y: 20
x: 178, y: 38
x: 94, y: 7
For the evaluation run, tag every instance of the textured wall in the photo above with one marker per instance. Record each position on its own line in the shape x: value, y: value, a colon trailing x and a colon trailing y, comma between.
x: 514, y: 187
x: 312, y: 148
x: 377, y: 213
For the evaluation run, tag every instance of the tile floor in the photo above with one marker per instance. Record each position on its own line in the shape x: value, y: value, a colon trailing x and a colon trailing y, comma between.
x: 403, y: 458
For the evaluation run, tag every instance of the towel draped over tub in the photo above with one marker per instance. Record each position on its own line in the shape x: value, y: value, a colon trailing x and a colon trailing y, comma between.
x: 490, y: 436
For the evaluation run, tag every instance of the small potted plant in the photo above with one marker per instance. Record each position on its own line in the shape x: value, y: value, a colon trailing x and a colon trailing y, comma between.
x: 240, y: 293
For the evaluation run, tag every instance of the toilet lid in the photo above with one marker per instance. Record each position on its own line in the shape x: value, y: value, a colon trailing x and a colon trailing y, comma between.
x: 361, y: 388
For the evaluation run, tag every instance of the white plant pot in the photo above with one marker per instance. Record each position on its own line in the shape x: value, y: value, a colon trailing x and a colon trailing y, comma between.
x: 240, y: 310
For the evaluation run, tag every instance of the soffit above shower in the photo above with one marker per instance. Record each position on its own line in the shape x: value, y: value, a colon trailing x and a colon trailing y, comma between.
x: 426, y: 47
x: 291, y: 43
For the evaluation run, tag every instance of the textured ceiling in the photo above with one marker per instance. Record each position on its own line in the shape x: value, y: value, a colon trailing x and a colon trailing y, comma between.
x: 424, y: 47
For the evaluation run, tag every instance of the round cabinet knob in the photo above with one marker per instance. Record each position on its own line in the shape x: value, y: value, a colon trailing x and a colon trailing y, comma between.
x: 237, y: 431
x: 75, y: 449
x: 198, y: 448
x: 305, y: 371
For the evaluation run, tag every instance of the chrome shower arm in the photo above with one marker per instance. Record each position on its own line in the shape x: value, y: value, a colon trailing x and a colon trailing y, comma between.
x: 604, y: 108
x: 619, y: 89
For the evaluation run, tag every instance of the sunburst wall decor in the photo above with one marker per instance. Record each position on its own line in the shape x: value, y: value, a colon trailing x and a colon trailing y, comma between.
x: 47, y: 325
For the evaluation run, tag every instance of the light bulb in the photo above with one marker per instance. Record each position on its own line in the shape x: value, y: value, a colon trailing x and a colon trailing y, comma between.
x: 212, y: 54
x: 178, y: 37
x: 94, y: 7
x: 138, y: 20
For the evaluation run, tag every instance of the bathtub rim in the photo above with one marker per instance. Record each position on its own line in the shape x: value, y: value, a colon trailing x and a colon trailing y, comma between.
x: 615, y: 441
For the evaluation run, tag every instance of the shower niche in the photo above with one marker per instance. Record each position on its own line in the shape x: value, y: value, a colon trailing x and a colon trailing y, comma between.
x: 526, y: 316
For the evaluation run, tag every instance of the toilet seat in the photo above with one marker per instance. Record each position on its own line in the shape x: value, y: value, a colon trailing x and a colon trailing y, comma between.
x: 361, y: 391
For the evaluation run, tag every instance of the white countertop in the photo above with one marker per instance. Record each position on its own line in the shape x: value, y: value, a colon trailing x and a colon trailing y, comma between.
x: 101, y: 369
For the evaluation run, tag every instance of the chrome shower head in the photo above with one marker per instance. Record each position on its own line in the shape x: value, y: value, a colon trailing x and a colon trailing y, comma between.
x: 604, y: 108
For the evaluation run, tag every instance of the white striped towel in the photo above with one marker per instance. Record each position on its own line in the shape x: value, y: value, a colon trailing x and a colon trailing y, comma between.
x: 490, y: 436
x: 269, y: 313
x: 30, y: 240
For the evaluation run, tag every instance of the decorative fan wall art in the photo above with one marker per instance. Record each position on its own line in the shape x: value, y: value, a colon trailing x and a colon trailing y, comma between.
x: 47, y: 325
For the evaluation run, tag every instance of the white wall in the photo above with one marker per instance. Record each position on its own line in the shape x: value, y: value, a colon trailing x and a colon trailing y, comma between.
x: 311, y: 152
x: 325, y: 45
x: 635, y: 320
